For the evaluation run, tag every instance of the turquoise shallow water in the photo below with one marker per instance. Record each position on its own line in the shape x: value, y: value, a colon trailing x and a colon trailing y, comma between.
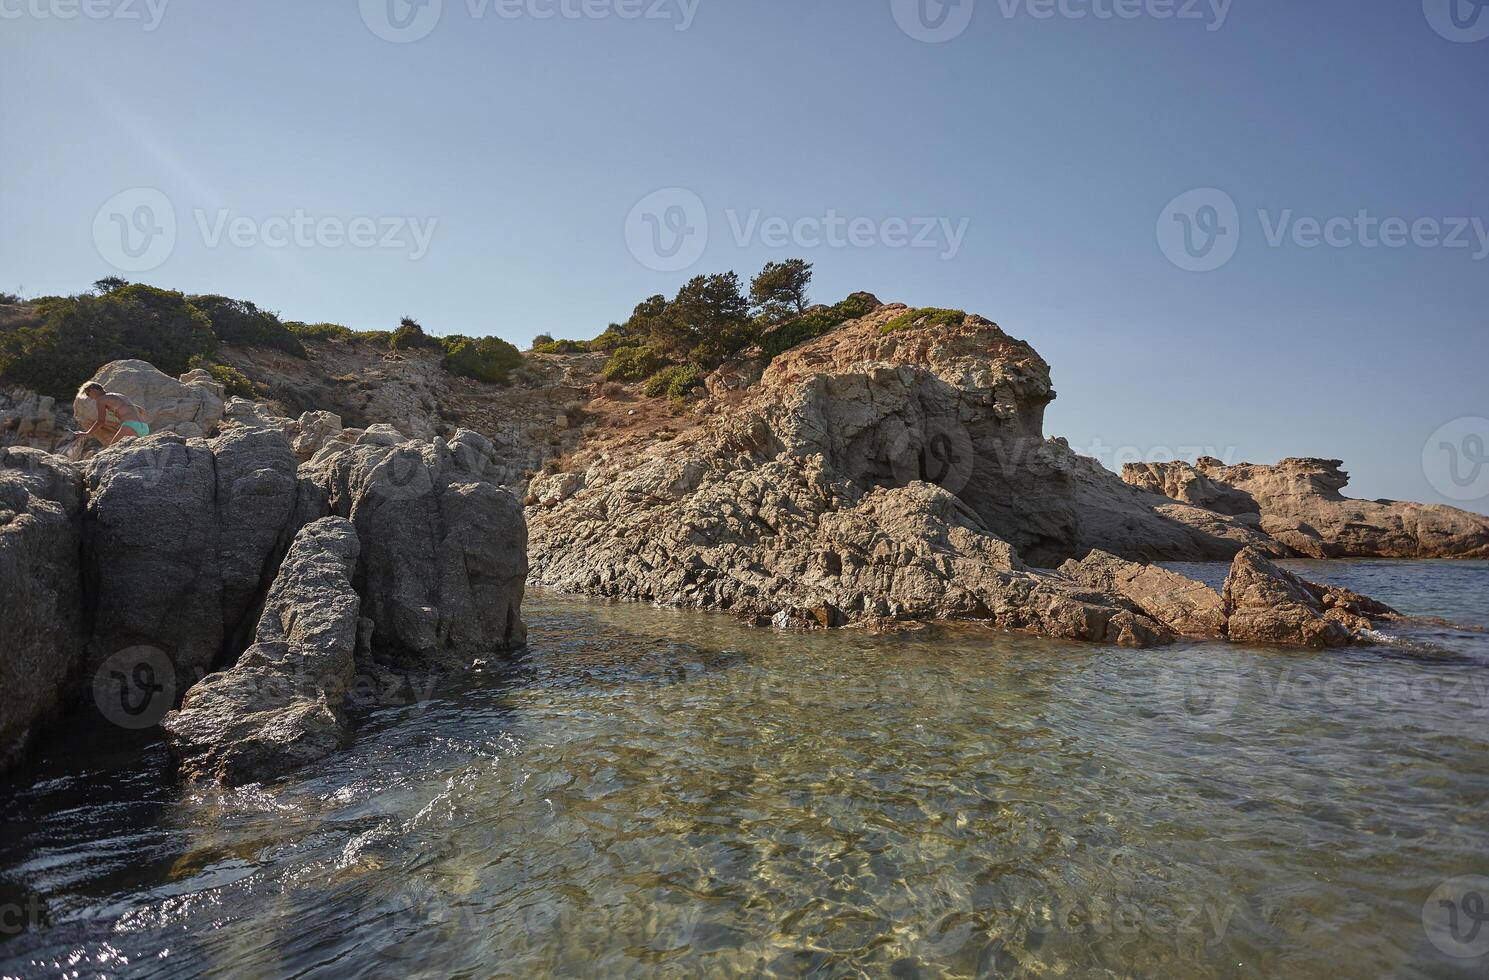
x: 651, y: 792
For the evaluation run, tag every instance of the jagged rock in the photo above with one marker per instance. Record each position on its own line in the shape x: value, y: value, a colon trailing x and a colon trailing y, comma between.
x: 32, y: 420
x: 281, y: 705
x: 444, y: 549
x: 42, y: 627
x: 313, y: 430
x: 1268, y: 604
x: 1185, y: 606
x: 179, y: 536
x: 893, y: 473
x: 1299, y: 504
x: 192, y: 406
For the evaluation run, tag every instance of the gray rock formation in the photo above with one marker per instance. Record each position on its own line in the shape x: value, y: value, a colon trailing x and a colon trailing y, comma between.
x: 444, y: 550
x: 1185, y: 606
x: 42, y: 628
x: 282, y: 704
x: 180, y: 537
x: 192, y: 406
x: 33, y: 420
x: 1298, y: 503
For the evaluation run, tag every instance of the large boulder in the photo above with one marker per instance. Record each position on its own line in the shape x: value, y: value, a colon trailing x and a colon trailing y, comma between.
x: 180, y: 537
x: 1185, y: 606
x: 1268, y: 604
x: 444, y: 549
x: 1298, y: 503
x: 282, y: 704
x: 190, y: 406
x: 33, y: 420
x: 42, y: 627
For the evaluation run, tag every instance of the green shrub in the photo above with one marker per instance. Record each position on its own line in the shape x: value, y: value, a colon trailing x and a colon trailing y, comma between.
x: 552, y: 346
x: 320, y: 331
x: 239, y: 322
x: 615, y: 336
x: 411, y: 336
x: 930, y: 316
x: 675, y: 382
x: 489, y: 359
x: 815, y: 323
x: 76, y: 335
x: 10, y: 299
x: 633, y: 364
x: 234, y: 382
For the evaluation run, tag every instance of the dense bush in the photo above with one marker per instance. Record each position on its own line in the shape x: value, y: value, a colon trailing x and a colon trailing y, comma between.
x: 815, y: 323
x: 552, y: 346
x: 234, y: 382
x: 926, y: 317
x: 675, y: 382
x: 411, y: 336
x: 75, y: 335
x: 633, y: 364
x: 240, y: 322
x: 320, y: 331
x: 488, y: 359
x: 10, y: 299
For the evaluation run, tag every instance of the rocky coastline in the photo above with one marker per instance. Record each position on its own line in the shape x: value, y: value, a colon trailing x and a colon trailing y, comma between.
x: 249, y: 557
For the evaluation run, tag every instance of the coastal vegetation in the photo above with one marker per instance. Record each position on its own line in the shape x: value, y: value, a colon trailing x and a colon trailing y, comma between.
x: 59, y: 341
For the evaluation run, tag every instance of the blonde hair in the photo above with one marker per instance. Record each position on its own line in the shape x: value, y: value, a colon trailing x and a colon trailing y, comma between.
x: 90, y: 386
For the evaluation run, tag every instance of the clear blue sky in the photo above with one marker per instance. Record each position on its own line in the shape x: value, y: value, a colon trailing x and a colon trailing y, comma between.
x: 1058, y: 141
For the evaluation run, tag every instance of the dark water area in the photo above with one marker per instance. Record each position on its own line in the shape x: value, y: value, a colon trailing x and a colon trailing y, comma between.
x: 652, y: 792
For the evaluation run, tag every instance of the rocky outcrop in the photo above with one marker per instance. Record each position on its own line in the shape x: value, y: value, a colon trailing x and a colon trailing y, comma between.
x: 1268, y: 604
x: 33, y: 420
x: 282, y: 705
x: 444, y: 549
x: 180, y: 536
x: 43, y: 624
x: 1185, y: 606
x: 191, y: 406
x: 1298, y: 504
x: 880, y: 472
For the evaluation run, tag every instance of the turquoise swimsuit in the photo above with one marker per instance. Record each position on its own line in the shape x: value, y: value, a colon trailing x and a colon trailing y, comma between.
x: 140, y: 428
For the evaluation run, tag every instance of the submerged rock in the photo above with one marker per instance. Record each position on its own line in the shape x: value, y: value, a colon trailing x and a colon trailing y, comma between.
x: 42, y: 628
x: 282, y: 704
x: 1298, y: 503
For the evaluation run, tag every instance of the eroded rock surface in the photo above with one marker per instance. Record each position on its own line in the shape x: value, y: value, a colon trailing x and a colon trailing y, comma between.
x: 42, y: 627
x: 444, y: 549
x: 1268, y: 604
x: 1298, y: 503
x: 1185, y: 606
x: 282, y: 704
